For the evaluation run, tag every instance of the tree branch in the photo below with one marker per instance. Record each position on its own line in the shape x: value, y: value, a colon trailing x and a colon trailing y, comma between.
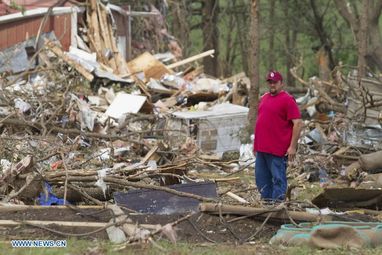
x: 376, y: 10
x: 344, y: 11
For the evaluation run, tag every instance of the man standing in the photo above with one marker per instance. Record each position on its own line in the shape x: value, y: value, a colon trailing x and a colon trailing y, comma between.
x: 278, y: 128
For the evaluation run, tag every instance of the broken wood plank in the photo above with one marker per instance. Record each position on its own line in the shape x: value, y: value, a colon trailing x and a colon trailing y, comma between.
x: 191, y: 59
x: 118, y: 57
x: 107, y: 37
x: 226, y: 179
x: 149, y: 154
x: 236, y: 197
x: 10, y: 208
x: 94, y: 34
x: 11, y: 223
x: 60, y: 53
x: 341, y: 151
x: 149, y: 65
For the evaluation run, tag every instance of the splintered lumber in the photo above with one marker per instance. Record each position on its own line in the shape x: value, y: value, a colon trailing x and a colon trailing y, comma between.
x: 11, y: 223
x: 101, y: 38
x: 260, y: 212
x: 59, y: 53
x: 94, y: 27
x: 149, y: 154
x: 191, y: 59
x: 12, y: 208
x: 9, y: 175
x: 107, y: 38
x: 236, y: 197
x: 118, y: 58
x: 148, y: 64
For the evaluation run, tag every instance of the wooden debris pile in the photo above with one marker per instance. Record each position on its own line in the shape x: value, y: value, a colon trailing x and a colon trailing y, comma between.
x: 101, y: 38
x: 85, y: 124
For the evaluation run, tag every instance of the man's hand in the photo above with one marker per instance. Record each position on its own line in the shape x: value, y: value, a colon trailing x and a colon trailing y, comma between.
x: 291, y: 153
x: 297, y: 126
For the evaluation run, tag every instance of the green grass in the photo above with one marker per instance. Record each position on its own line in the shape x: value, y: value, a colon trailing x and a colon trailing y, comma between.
x: 308, y: 192
x: 97, y: 247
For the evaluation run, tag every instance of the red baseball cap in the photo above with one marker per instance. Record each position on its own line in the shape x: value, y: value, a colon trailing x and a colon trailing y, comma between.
x: 274, y: 76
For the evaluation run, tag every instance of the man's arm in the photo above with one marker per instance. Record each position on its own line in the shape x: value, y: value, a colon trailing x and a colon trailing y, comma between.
x: 297, y: 127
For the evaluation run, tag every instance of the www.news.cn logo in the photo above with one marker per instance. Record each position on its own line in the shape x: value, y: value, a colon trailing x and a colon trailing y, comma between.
x: 38, y: 243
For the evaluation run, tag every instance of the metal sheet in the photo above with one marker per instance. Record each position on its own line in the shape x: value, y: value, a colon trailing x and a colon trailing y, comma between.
x: 161, y: 202
x: 225, y: 109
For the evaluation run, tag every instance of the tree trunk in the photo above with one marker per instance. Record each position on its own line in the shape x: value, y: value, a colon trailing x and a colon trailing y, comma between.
x: 211, y: 35
x: 288, y: 54
x: 230, y: 47
x: 271, y: 53
x: 180, y: 25
x: 254, y: 50
x: 294, y: 53
x: 374, y: 54
x: 373, y: 57
x: 362, y: 40
x: 242, y: 24
x: 323, y: 64
x: 326, y: 43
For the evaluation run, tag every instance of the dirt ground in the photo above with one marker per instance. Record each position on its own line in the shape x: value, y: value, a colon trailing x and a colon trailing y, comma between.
x: 200, y: 228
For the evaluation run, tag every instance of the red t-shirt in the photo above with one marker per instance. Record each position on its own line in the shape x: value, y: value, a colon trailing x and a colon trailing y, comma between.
x: 274, y: 124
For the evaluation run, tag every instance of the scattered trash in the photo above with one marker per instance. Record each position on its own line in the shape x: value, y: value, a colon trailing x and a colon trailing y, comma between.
x: 47, y: 198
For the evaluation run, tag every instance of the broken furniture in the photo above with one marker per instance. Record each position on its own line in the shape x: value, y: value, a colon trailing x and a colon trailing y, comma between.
x: 216, y: 130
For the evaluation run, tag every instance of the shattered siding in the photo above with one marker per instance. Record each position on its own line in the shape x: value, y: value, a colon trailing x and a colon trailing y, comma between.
x: 19, y: 31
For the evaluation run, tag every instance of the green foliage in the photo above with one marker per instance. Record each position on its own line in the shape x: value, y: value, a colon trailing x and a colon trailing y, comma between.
x: 16, y: 6
x: 310, y: 25
x: 234, y: 20
x: 76, y: 246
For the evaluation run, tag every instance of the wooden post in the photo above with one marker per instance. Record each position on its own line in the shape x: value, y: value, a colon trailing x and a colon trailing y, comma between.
x: 128, y: 39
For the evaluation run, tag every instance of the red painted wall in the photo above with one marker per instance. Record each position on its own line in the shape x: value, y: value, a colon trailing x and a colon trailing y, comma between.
x: 18, y: 31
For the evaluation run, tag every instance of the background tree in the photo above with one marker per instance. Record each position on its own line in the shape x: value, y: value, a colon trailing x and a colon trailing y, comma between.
x: 210, y: 15
x: 314, y: 30
x: 180, y: 24
x: 271, y: 36
x: 254, y: 63
x: 349, y: 11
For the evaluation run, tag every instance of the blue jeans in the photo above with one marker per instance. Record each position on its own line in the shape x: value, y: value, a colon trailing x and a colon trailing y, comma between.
x: 270, y: 173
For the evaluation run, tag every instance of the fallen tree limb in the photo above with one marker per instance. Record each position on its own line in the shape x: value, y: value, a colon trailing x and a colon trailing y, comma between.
x: 19, y: 122
x: 154, y: 187
x: 13, y: 194
x: 115, y: 180
x: 83, y: 193
x: 260, y: 212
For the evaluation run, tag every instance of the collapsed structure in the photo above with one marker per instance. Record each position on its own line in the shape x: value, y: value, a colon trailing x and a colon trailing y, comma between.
x: 83, y: 121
